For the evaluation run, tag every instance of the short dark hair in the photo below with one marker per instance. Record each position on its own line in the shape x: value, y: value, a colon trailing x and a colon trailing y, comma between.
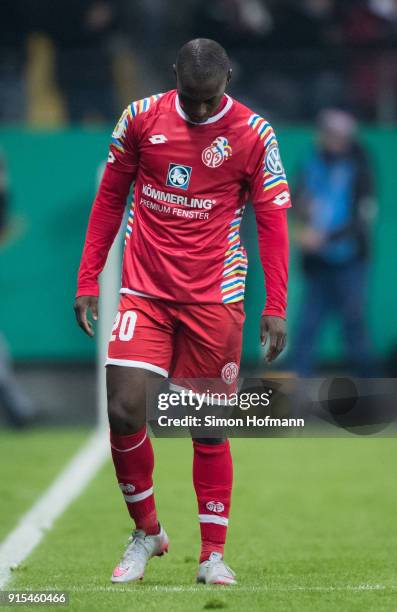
x: 202, y: 59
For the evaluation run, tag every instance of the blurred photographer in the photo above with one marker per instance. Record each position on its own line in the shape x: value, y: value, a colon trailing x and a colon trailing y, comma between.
x: 334, y: 206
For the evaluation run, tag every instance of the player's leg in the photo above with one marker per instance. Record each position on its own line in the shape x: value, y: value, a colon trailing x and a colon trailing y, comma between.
x: 209, y: 345
x: 316, y: 303
x: 213, y: 481
x: 352, y: 292
x: 138, y: 356
x: 131, y: 447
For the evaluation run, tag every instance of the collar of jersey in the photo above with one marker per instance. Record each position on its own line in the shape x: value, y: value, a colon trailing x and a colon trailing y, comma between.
x: 213, y: 119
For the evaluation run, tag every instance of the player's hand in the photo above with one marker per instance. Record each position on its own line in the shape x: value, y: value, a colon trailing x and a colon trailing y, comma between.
x: 82, y: 305
x: 274, y: 330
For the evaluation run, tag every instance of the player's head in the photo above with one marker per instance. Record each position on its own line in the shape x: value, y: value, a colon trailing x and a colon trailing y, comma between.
x: 202, y: 72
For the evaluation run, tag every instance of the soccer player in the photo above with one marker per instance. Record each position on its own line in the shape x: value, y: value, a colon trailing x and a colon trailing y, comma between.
x: 196, y: 156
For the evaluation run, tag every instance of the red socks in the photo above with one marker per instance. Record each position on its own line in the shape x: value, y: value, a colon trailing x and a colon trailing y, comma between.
x: 133, y: 461
x: 213, y: 479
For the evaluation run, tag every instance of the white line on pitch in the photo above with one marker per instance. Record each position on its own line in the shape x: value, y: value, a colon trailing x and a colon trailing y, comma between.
x: 66, y: 487
x: 243, y: 589
x: 138, y: 587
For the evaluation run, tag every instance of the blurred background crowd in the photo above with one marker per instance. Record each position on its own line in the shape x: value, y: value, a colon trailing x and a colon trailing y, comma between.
x: 324, y: 72
x: 81, y: 61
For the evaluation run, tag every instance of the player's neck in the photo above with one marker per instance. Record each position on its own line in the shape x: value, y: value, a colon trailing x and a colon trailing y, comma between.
x: 221, y: 106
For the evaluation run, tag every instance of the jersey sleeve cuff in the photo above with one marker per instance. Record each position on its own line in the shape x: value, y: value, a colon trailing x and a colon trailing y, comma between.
x: 274, y: 312
x: 92, y: 290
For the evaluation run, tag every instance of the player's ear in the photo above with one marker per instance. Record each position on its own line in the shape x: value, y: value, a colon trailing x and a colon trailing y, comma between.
x: 229, y: 76
x: 174, y: 69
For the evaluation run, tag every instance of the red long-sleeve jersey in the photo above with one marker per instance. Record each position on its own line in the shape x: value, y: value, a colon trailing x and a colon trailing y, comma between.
x: 192, y: 182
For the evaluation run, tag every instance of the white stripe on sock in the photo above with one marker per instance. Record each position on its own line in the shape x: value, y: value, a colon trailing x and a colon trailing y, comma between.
x: 210, y: 518
x: 132, y: 499
x: 126, y: 450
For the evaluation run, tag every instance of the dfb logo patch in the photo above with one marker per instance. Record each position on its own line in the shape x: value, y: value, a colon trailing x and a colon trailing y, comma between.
x: 178, y: 176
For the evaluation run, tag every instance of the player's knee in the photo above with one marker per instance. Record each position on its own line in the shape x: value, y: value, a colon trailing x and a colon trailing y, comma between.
x: 125, y: 415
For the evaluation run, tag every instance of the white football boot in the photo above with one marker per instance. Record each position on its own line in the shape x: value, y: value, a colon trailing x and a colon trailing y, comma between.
x: 140, y: 549
x: 215, y: 571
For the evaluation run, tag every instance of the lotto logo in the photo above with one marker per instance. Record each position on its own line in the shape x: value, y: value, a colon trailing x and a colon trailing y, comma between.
x: 178, y: 176
x: 229, y: 372
x: 214, y: 506
x: 158, y: 139
x: 281, y: 199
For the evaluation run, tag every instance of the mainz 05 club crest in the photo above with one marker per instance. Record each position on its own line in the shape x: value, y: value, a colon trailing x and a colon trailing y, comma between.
x: 214, y: 155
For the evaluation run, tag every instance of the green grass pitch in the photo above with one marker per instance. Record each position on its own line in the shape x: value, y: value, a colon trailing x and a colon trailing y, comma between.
x: 313, y: 527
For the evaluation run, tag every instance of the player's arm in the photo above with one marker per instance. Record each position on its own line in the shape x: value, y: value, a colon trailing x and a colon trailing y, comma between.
x: 105, y: 219
x: 270, y: 197
x: 274, y: 251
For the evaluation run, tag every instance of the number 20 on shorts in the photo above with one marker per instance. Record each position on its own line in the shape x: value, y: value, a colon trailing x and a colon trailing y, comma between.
x: 124, y: 326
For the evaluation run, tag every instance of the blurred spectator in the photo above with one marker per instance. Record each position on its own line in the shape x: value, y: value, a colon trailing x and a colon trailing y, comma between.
x: 82, y: 36
x: 290, y: 57
x: 370, y: 29
x: 18, y: 407
x: 305, y: 71
x: 12, y: 61
x: 334, y: 204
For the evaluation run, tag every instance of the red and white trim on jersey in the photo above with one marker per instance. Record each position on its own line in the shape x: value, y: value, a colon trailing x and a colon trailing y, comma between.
x: 139, y: 293
x: 130, y: 222
x: 141, y: 106
x: 134, y: 109
x: 210, y: 518
x: 129, y: 363
x: 236, y: 263
x: 213, y: 119
x: 119, y: 132
x: 266, y: 133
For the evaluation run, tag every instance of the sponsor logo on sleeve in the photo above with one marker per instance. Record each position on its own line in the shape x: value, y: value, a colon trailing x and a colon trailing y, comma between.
x: 178, y: 176
x: 273, y: 163
x: 121, y: 127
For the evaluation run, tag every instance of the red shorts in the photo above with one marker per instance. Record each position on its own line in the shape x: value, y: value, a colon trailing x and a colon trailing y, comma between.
x: 180, y: 341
